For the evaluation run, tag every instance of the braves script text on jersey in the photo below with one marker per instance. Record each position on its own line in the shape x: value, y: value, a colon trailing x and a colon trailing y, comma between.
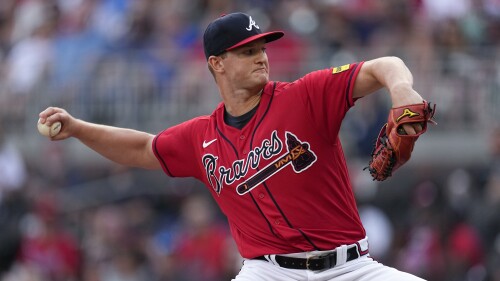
x: 282, y: 179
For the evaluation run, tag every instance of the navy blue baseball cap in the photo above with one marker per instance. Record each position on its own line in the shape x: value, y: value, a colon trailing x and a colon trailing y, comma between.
x: 231, y: 31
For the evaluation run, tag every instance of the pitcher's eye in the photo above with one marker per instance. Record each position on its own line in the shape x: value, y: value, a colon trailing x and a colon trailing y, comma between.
x: 249, y: 52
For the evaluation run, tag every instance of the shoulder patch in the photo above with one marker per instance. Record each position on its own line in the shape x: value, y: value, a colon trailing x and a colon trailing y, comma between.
x: 339, y: 69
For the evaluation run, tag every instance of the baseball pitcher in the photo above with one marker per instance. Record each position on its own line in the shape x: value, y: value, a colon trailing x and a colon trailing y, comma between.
x: 271, y: 157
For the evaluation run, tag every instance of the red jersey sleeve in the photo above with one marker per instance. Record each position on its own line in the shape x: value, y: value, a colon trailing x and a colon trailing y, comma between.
x: 176, y: 148
x: 329, y: 96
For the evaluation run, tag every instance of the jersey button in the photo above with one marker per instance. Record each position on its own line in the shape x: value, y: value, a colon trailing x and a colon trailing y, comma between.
x: 242, y: 137
x: 277, y: 222
x: 261, y: 195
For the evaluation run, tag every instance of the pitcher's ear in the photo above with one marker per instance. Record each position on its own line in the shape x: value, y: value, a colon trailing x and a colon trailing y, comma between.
x: 215, y: 63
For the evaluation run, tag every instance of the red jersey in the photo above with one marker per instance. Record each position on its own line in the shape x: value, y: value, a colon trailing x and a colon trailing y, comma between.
x: 281, y: 180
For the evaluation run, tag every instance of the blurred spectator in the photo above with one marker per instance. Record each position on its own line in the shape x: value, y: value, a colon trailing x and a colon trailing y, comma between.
x: 446, y: 9
x: 32, y: 50
x: 48, y: 250
x: 493, y: 178
x: 379, y: 230
x: 13, y: 177
x: 12, y: 210
x: 464, y: 251
x: 77, y: 47
x: 13, y: 170
x: 488, y: 208
x: 126, y: 265
x: 160, y: 251
x: 422, y: 251
x: 105, y: 235
x: 203, y: 247
x: 5, y: 28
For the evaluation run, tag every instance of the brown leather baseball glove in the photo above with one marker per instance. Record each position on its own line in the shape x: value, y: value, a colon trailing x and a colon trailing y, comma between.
x: 393, y: 147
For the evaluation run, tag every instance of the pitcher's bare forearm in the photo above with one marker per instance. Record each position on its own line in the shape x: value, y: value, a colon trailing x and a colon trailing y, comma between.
x: 123, y: 146
x: 391, y: 73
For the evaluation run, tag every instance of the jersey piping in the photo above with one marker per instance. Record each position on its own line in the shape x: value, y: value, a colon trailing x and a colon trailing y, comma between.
x: 251, y: 141
x: 348, y: 89
x: 163, y: 163
x: 265, y: 185
x: 228, y: 141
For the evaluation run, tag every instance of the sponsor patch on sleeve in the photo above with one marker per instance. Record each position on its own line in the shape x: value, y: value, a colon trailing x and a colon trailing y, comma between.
x: 339, y: 69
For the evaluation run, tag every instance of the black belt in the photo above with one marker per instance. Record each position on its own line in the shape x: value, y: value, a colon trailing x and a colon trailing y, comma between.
x: 313, y: 263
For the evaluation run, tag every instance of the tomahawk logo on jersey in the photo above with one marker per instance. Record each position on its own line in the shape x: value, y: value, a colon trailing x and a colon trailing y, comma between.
x: 298, y: 155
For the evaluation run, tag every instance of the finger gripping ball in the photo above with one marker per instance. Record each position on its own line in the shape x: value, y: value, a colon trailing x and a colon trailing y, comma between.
x: 49, y: 131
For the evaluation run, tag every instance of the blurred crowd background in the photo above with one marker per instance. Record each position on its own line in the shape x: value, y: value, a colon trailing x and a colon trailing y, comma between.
x: 67, y: 214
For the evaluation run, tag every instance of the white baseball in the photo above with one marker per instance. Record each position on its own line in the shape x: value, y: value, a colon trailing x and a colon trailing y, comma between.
x: 47, y: 131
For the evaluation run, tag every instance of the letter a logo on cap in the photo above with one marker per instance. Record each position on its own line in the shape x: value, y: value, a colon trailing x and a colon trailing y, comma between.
x: 252, y: 23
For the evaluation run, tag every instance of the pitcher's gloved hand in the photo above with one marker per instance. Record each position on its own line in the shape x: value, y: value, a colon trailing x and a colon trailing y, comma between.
x: 394, y: 146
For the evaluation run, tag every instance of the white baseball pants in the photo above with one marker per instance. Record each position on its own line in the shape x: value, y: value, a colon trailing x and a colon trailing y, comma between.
x: 363, y: 268
x: 360, y: 269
